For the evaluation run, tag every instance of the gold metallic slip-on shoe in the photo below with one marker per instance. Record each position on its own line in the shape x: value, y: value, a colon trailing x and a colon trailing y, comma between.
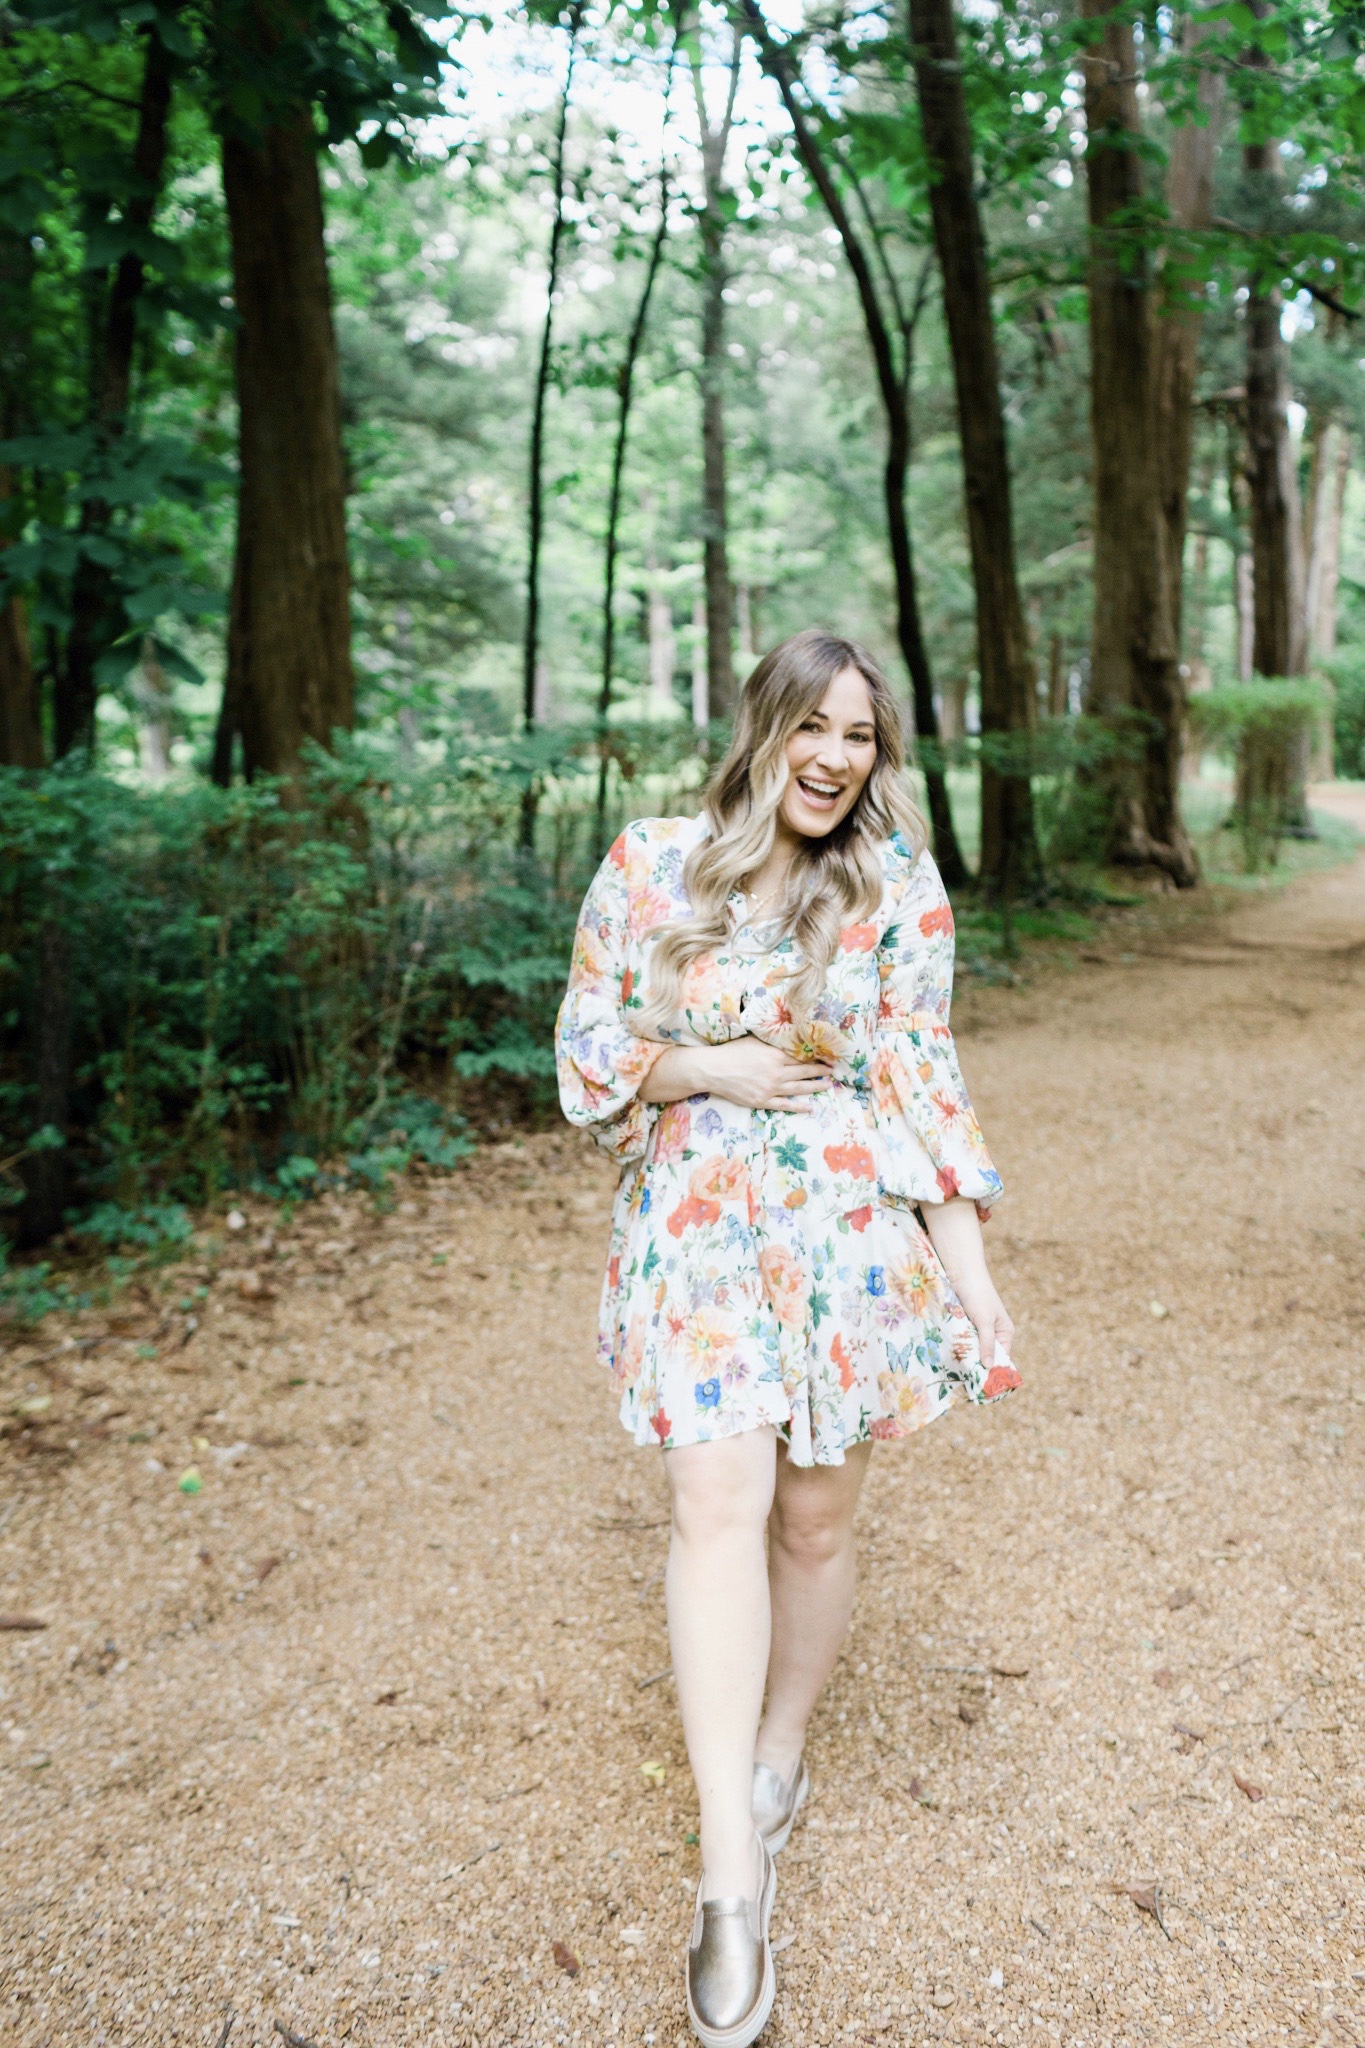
x: 777, y: 1801
x: 730, y: 1976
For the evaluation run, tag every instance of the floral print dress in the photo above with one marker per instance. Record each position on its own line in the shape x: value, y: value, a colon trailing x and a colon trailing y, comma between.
x: 769, y: 1267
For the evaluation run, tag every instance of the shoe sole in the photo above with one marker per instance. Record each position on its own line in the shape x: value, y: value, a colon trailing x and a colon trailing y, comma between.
x: 751, y: 2026
x: 776, y: 1843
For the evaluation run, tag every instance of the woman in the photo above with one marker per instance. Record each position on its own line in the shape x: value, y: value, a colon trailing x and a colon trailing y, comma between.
x: 756, y: 1028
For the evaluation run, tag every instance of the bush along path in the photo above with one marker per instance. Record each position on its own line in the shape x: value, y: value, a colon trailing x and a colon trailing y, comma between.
x: 333, y: 1673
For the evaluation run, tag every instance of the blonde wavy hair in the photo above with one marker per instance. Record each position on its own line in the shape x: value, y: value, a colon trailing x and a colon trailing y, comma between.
x: 836, y: 880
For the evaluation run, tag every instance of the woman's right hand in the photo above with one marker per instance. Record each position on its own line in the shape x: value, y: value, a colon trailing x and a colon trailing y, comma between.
x: 746, y: 1070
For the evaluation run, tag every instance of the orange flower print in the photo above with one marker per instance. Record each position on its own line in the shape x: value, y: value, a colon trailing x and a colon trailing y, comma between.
x: 795, y: 1200
x: 614, y: 1271
x: 786, y: 1285
x: 670, y: 1140
x: 854, y: 1159
x: 692, y: 1210
x: 948, y: 1106
x: 718, y: 1179
x: 627, y: 984
x: 661, y: 1425
x: 906, y: 1401
x: 858, y: 938
x: 617, y: 855
x: 948, y: 1182
x: 1001, y: 1379
x: 858, y: 1219
x: 709, y: 1340
x: 650, y: 907
x: 939, y: 919
x: 915, y: 1286
x: 847, y: 1375
x: 818, y: 1041
x: 631, y: 1355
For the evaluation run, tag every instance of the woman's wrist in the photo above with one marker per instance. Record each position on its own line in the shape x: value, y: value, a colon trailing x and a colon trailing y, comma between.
x: 675, y: 1075
x: 955, y: 1232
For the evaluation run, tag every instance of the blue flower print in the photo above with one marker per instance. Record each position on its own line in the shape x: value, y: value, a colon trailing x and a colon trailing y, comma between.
x: 710, y: 1123
x: 708, y: 1393
x: 876, y: 1279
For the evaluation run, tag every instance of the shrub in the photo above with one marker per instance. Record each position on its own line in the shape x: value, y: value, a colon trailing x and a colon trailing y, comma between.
x: 1347, y: 670
x: 1265, y: 725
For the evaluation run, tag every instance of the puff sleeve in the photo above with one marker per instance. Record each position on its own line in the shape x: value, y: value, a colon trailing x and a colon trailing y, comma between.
x: 930, y: 1143
x: 600, y: 1059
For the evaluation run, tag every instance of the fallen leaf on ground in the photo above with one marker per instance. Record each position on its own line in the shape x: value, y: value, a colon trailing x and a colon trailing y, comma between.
x: 1009, y: 1670
x: 1143, y: 1896
x: 783, y: 1941
x: 1183, y: 1596
x: 387, y: 1699
x: 1253, y: 1792
x: 20, y: 1621
x: 251, y: 1287
x: 266, y: 1567
x: 190, y: 1481
x: 1163, y: 1677
x: 654, y: 1772
x: 565, y: 1958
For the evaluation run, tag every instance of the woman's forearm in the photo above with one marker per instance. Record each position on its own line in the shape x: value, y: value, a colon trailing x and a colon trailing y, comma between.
x: 676, y: 1074
x: 955, y: 1232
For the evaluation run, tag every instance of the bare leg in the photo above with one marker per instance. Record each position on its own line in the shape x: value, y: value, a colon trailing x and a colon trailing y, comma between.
x: 718, y: 1627
x: 811, y: 1566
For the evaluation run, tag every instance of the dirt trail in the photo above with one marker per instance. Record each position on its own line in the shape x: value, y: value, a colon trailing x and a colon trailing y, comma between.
x: 349, y: 1739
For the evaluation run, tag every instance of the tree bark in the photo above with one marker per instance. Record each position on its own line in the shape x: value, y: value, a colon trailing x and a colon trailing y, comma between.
x: 21, y: 730
x: 535, y: 518
x: 625, y: 388
x: 1189, y: 202
x: 97, y: 614
x: 1276, y: 532
x: 895, y: 403
x: 1135, y: 664
x: 1326, y: 506
x: 715, y: 137
x: 289, y: 677
x: 1010, y: 860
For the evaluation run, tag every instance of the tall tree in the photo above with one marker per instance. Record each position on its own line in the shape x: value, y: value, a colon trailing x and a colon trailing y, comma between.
x: 893, y: 386
x: 1010, y: 859
x: 625, y: 390
x: 1189, y: 205
x: 289, y: 676
x: 97, y: 615
x: 715, y: 141
x: 535, y: 516
x: 1135, y: 661
x: 21, y: 731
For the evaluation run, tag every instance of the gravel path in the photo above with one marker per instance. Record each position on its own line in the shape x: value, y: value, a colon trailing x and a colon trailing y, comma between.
x: 371, y: 1739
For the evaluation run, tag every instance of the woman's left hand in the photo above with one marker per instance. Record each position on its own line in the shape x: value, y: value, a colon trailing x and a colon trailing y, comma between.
x: 990, y: 1318
x: 955, y: 1231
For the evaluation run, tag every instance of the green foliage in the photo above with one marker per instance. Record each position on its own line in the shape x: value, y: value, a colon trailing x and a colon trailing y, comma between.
x: 1261, y: 724
x: 1347, y: 671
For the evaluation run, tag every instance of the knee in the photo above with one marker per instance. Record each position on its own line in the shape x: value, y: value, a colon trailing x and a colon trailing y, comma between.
x: 810, y: 1533
x: 722, y: 1490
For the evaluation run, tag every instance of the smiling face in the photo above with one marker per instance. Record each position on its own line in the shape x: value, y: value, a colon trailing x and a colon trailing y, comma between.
x: 829, y: 758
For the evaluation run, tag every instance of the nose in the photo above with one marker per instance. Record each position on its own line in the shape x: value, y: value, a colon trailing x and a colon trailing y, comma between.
x: 833, y: 753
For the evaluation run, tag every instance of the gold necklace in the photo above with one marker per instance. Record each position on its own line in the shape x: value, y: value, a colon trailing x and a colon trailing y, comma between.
x: 758, y: 905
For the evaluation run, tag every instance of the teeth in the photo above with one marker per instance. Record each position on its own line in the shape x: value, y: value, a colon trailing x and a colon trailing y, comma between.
x: 819, y: 788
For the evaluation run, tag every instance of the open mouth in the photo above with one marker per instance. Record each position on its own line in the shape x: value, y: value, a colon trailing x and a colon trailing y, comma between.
x: 820, y: 795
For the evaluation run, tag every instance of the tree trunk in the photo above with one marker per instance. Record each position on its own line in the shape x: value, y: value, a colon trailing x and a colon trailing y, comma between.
x: 97, y: 614
x: 1332, y: 464
x: 536, y: 493
x: 1009, y: 848
x: 715, y: 137
x: 289, y: 676
x: 701, y: 696
x: 1189, y: 201
x: 1276, y: 532
x: 21, y: 730
x: 895, y: 403
x: 625, y: 387
x: 1135, y: 664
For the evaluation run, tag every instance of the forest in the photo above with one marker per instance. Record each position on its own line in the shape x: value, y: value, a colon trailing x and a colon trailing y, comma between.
x: 413, y: 426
